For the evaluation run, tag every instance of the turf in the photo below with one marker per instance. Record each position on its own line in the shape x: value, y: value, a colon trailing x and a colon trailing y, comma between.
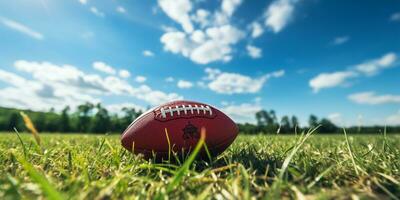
x: 262, y: 166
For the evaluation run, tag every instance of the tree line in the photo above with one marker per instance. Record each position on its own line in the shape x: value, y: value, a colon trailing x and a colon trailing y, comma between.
x: 87, y: 118
x: 268, y: 122
x: 95, y: 118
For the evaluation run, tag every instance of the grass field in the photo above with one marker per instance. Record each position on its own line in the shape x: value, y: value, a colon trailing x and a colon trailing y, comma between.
x: 263, y: 166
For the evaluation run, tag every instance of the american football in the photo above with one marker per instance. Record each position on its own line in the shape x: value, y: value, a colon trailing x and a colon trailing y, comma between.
x: 181, y: 122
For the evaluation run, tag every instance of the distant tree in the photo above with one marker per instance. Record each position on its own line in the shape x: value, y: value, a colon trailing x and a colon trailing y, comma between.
x: 272, y: 119
x: 101, y: 121
x: 130, y: 114
x: 40, y: 121
x: 261, y: 117
x: 13, y: 121
x: 267, y: 121
x: 285, y: 125
x: 294, y: 123
x: 83, y: 116
x: 65, y: 125
x: 327, y: 126
x: 313, y: 121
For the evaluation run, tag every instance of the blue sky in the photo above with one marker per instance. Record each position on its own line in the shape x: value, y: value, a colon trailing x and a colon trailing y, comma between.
x: 335, y: 59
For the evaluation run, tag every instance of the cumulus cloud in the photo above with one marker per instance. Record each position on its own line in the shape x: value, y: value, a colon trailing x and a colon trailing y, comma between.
x: 229, y: 6
x: 202, y: 17
x: 371, y: 98
x: 177, y: 43
x: 368, y: 68
x: 340, y: 40
x: 117, y: 108
x: 140, y: 79
x: 233, y: 83
x: 103, y: 67
x: 372, y: 67
x: 178, y: 10
x: 121, y: 9
x: 242, y: 113
x: 124, y: 73
x: 256, y: 30
x: 253, y: 51
x: 84, y: 2
x: 16, y: 26
x: 71, y: 86
x: 96, y: 12
x: 278, y: 14
x: 169, y: 79
x: 203, y: 48
x: 213, y: 41
x: 148, y: 53
x: 184, y: 84
x: 329, y: 80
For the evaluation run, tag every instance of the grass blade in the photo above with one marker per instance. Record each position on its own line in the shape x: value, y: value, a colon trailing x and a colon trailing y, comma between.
x: 31, y: 127
x: 185, y: 167
x: 169, y: 144
x: 350, y: 152
x: 20, y: 140
x: 41, y: 180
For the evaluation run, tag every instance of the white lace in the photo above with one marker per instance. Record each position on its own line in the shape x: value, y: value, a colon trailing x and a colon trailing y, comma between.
x: 185, y: 109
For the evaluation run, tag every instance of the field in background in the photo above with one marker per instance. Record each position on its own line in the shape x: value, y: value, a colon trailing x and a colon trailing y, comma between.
x: 90, y: 166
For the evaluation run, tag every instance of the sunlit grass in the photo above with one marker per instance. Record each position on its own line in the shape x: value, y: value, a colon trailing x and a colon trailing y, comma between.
x: 310, y: 166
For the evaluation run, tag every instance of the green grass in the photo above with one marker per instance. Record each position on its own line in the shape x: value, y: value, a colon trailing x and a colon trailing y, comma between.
x: 263, y: 166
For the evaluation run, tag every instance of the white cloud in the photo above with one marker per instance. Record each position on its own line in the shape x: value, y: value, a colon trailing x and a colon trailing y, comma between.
x: 38, y: 94
x: 212, y: 73
x: 253, y: 51
x: 372, y: 67
x: 229, y: 6
x: 233, y: 83
x: 340, y: 40
x: 117, y: 108
x: 394, y: 119
x: 95, y: 11
x: 226, y: 34
x: 198, y: 36
x: 140, y: 79
x: 184, y: 84
x: 242, y: 113
x: 83, y: 2
x: 213, y: 41
x: 256, y: 30
x: 395, y: 16
x: 121, y: 9
x: 329, y: 80
x: 103, y: 67
x: 169, y: 79
x: 211, y: 51
x: 178, y: 10
x: 368, y: 68
x: 21, y: 28
x: 177, y: 43
x: 336, y: 118
x: 148, y: 53
x: 372, y: 99
x: 124, y: 73
x: 202, y: 17
x: 278, y: 14
x: 201, y: 84
x: 71, y: 87
x: 216, y: 46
